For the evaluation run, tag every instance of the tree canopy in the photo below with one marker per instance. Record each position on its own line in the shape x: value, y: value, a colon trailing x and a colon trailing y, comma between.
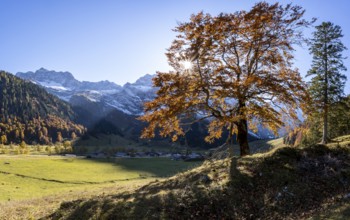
x: 233, y: 70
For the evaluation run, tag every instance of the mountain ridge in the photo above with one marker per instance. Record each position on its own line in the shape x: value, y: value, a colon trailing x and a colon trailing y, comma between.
x: 128, y: 98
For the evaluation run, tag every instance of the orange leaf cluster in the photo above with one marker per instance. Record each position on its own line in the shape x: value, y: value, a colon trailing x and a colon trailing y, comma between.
x: 242, y: 72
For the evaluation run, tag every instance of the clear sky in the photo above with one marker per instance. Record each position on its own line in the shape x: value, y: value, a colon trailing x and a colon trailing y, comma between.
x: 120, y: 40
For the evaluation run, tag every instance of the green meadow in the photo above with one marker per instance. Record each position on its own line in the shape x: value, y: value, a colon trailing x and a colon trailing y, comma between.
x: 29, y: 176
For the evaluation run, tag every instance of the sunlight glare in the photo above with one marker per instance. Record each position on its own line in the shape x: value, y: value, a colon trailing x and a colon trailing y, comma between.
x: 186, y: 64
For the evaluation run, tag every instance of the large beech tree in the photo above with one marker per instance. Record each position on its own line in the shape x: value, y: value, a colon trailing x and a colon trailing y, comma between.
x: 234, y: 70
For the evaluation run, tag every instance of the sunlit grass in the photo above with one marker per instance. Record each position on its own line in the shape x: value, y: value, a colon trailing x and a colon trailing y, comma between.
x: 340, y: 141
x: 289, y: 182
x: 40, y: 206
x: 35, y: 176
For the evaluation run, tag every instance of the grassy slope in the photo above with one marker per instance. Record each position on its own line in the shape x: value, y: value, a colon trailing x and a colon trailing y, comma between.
x: 262, y: 146
x: 282, y: 183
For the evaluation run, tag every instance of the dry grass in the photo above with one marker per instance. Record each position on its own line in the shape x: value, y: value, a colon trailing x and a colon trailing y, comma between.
x: 285, y: 183
x: 40, y: 207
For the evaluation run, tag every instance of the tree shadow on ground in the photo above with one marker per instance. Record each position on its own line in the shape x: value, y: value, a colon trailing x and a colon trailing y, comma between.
x: 337, y: 211
x: 288, y: 183
x: 149, y: 167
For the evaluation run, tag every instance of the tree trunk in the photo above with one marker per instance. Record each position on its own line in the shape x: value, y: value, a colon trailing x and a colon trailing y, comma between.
x: 325, y: 101
x: 325, y: 126
x: 242, y: 137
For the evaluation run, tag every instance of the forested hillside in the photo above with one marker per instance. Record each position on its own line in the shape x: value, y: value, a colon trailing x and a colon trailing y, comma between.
x: 28, y: 113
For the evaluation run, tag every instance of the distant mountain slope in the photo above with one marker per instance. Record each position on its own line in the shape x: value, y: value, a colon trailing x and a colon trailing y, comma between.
x: 29, y: 113
x: 64, y: 85
x: 128, y: 98
x: 105, y: 103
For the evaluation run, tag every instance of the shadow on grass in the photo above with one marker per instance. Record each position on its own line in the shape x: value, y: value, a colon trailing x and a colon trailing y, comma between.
x: 149, y: 167
x: 337, y: 212
x: 346, y: 212
x: 288, y: 183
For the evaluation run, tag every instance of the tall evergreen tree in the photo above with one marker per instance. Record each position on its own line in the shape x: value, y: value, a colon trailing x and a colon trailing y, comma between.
x: 327, y: 84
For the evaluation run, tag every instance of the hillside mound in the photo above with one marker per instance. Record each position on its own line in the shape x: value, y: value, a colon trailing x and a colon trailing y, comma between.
x: 284, y: 183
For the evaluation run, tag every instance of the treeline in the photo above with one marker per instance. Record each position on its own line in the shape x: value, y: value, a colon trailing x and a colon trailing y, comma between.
x: 311, y: 130
x: 28, y: 113
x: 22, y: 148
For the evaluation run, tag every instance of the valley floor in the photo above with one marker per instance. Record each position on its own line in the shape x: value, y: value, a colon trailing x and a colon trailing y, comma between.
x: 283, y: 183
x: 280, y: 182
x: 34, y: 185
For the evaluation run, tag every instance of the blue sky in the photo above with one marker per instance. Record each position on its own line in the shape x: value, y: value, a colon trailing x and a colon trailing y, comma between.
x: 120, y: 40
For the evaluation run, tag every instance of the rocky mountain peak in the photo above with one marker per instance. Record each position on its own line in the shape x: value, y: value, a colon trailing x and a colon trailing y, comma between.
x: 145, y: 80
x: 128, y: 99
x: 44, y: 75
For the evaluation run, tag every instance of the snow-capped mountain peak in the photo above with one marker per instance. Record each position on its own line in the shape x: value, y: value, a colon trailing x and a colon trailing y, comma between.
x: 128, y: 99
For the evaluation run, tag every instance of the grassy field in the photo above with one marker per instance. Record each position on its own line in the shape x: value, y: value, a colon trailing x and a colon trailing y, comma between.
x: 32, y: 186
x: 42, y: 202
x: 283, y: 183
x: 33, y: 176
x: 25, y: 177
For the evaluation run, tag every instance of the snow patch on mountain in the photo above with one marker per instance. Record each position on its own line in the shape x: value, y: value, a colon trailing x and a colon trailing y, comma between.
x: 119, y: 107
x: 52, y: 85
x: 128, y: 98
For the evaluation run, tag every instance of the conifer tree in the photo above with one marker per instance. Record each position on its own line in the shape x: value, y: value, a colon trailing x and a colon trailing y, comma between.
x: 327, y: 85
